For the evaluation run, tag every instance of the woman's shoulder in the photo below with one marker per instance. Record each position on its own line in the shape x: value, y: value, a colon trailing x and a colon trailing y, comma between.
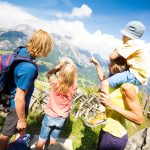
x: 126, y: 87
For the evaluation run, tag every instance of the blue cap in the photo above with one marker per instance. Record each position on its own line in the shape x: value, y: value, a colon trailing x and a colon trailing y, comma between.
x: 133, y: 30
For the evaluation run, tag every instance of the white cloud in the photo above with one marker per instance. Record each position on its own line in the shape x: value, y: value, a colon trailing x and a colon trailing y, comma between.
x: 84, y: 11
x: 78, y: 12
x: 80, y: 37
x: 11, y: 15
x: 147, y: 48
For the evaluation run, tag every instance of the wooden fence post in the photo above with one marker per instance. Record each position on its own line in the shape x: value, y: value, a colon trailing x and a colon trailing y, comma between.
x: 146, y: 104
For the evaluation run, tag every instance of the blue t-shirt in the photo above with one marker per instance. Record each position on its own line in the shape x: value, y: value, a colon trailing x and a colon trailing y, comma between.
x: 23, y: 77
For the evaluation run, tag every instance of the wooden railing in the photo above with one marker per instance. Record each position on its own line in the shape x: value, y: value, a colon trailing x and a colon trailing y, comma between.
x: 146, y: 104
x: 82, y: 105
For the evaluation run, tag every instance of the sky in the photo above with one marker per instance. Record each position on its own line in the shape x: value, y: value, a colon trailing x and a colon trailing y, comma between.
x: 92, y: 25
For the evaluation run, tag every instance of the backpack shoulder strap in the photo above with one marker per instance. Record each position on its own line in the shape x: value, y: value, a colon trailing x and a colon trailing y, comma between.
x: 23, y: 58
x: 19, y: 58
x: 18, y: 49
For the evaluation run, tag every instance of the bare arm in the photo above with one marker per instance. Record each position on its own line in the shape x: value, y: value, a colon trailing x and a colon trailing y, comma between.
x: 20, y: 108
x: 100, y: 72
x: 133, y: 112
x: 113, y: 55
x: 53, y: 71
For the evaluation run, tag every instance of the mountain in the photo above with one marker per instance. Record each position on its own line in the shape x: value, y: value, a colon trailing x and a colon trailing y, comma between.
x: 79, y: 57
x: 18, y: 35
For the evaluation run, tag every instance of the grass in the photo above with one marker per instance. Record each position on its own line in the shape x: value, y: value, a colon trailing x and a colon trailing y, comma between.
x: 42, y: 85
x: 34, y: 123
x: 83, y: 137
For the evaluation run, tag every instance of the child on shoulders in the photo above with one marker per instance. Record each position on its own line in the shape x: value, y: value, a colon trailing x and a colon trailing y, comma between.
x: 136, y: 58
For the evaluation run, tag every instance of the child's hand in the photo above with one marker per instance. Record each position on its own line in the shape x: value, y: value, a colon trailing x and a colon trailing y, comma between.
x: 94, y: 61
x: 55, y: 70
x: 59, y: 66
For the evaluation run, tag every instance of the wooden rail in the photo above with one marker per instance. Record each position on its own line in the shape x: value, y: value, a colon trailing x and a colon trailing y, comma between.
x: 82, y: 105
x: 146, y: 104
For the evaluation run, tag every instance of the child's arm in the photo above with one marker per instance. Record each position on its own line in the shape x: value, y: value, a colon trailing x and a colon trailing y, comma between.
x: 100, y: 72
x: 52, y: 72
x: 114, y: 55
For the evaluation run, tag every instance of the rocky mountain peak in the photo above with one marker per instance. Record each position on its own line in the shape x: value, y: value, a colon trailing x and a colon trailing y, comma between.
x: 26, y: 29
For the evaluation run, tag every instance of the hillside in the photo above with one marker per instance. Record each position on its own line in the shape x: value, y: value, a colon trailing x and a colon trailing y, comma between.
x: 18, y: 35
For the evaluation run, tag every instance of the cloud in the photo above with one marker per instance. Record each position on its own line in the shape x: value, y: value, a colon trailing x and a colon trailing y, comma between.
x: 84, y: 11
x: 11, y: 15
x: 147, y: 48
x: 79, y: 36
x: 78, y: 12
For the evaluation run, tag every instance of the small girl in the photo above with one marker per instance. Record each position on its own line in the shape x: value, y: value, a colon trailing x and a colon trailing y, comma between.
x: 58, y: 106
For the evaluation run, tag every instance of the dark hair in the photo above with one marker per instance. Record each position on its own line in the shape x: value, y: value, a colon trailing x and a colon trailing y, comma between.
x: 118, y: 65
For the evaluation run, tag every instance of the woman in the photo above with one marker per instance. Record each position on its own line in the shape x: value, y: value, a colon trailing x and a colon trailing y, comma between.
x: 121, y: 104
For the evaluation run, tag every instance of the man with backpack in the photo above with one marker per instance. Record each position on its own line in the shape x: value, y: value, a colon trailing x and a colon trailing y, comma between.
x: 21, y: 84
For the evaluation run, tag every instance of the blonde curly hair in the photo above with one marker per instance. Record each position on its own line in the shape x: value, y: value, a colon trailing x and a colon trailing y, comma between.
x: 39, y: 44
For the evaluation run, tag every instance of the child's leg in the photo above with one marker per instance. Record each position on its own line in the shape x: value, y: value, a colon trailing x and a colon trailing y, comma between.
x: 52, y: 141
x: 123, y: 77
x: 40, y: 144
x: 115, y: 80
x: 54, y: 135
x: 118, y: 79
x: 56, y: 130
x: 44, y: 133
x: 134, y: 80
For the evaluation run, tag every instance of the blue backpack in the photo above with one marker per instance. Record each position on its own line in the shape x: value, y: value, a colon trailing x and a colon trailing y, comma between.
x: 6, y: 63
x: 22, y: 143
